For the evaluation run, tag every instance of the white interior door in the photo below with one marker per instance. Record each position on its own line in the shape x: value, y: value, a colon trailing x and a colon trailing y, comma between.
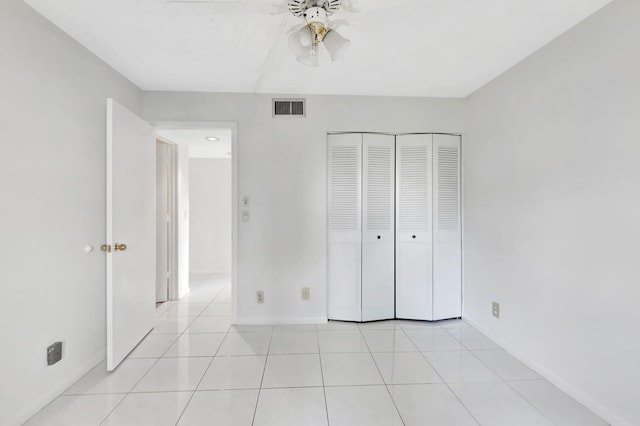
x: 414, y: 266
x: 344, y: 298
x: 378, y: 244
x: 162, y: 221
x: 131, y: 231
x: 447, y: 235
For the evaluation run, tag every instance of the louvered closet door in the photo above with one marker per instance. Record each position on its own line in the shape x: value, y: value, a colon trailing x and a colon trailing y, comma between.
x: 378, y: 227
x: 414, y: 227
x: 447, y: 249
x: 344, y: 240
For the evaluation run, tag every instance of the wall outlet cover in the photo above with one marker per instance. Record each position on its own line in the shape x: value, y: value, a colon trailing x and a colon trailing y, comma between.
x: 495, y: 309
x: 260, y: 296
x: 306, y: 293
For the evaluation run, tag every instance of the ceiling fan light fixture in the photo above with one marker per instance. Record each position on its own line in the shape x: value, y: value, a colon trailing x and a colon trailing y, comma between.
x: 304, y: 42
x: 336, y: 45
x: 310, y: 60
x: 316, y: 18
x: 301, y: 42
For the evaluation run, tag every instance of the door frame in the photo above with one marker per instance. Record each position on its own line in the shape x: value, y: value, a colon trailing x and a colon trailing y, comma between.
x: 172, y: 236
x: 233, y: 126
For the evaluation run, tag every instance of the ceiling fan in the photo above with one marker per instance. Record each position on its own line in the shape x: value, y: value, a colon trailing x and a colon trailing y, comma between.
x: 303, y: 41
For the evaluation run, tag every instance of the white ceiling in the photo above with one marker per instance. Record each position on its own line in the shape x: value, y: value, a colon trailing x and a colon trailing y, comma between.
x: 199, y: 147
x: 445, y: 48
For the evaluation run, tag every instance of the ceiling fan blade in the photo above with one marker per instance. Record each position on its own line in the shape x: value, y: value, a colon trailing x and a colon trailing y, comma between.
x: 336, y: 23
x: 296, y: 27
x: 354, y: 6
x: 227, y: 7
x: 275, y: 56
x: 347, y: 6
x: 271, y: 62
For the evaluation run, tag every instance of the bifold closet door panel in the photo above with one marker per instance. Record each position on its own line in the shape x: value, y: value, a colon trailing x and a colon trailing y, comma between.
x: 447, y: 235
x: 414, y: 227
x: 344, y: 217
x: 378, y: 227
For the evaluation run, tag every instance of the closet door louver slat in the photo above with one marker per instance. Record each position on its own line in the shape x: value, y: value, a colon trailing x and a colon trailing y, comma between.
x: 394, y: 225
x: 447, y: 250
x: 378, y: 227
x: 345, y: 239
x: 413, y: 227
x: 345, y: 187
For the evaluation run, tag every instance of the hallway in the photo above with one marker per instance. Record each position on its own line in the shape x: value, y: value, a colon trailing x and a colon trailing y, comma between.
x: 196, y: 369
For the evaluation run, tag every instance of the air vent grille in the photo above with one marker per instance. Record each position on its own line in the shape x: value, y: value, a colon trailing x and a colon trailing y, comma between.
x: 289, y: 108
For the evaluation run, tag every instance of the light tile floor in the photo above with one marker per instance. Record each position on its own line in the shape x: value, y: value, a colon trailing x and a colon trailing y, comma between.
x: 195, y: 368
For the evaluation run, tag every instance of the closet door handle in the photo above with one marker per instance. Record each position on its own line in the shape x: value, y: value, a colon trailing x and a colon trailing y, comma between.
x: 379, y: 237
x: 413, y: 236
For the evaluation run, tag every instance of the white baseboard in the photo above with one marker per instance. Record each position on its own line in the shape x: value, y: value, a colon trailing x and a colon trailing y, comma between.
x: 52, y: 393
x: 281, y: 321
x: 576, y: 393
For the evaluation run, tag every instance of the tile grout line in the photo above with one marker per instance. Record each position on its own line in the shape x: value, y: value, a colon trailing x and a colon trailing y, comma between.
x: 444, y: 381
x: 130, y: 391
x: 471, y: 351
x: 324, y: 389
x: 496, y: 373
x: 157, y: 359
x: 264, y: 369
x: 393, y: 401
x: 210, y: 362
x: 155, y: 363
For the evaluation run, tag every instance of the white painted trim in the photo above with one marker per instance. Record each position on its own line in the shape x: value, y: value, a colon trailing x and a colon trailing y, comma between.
x: 462, y: 228
x: 174, y: 282
x: 234, y: 192
x: 283, y: 321
x: 52, y: 393
x: 582, y: 397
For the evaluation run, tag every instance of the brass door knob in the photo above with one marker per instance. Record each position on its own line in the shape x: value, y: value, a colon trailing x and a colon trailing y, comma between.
x: 120, y: 247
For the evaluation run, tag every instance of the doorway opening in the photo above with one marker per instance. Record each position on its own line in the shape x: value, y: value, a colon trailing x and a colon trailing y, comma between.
x: 200, y: 226
x: 166, y: 226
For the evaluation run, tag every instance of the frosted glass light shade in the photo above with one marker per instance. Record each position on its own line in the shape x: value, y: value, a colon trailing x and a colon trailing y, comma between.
x: 310, y: 61
x: 336, y: 45
x: 301, y: 42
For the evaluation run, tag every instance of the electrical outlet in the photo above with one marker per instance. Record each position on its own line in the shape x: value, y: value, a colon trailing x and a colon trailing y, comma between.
x: 495, y: 309
x: 260, y: 296
x: 54, y: 353
x: 306, y: 293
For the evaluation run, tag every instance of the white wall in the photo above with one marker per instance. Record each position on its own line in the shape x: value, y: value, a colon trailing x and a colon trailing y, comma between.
x: 210, y: 213
x: 52, y: 180
x: 282, y: 168
x: 552, y: 204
